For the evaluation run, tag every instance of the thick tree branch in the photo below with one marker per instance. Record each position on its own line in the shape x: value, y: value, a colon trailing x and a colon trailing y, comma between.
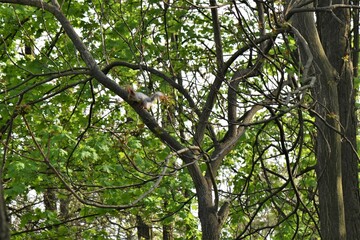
x: 236, y: 128
x: 158, y: 73
x: 96, y: 72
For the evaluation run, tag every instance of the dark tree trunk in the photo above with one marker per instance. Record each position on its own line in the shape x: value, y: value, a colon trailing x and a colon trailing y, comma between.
x: 328, y: 141
x: 337, y: 48
x: 212, y: 217
x: 209, y: 223
x: 335, y: 112
x: 143, y: 230
x: 4, y: 221
x: 167, y: 232
x: 328, y: 153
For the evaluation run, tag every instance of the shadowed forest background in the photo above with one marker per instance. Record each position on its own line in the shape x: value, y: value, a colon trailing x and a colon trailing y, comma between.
x: 254, y: 134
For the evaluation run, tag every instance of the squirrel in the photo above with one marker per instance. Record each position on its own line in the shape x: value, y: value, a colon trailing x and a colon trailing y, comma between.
x: 145, y: 101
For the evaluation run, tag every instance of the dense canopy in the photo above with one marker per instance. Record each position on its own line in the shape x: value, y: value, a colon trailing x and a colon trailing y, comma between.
x: 253, y: 135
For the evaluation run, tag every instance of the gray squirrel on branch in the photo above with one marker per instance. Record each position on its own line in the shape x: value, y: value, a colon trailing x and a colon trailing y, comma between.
x: 145, y: 101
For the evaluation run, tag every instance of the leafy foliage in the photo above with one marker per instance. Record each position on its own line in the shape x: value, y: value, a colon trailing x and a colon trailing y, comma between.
x: 79, y: 162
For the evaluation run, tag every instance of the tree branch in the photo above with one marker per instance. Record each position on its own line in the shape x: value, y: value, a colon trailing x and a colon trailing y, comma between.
x: 96, y: 72
x: 158, y: 73
x: 219, y: 78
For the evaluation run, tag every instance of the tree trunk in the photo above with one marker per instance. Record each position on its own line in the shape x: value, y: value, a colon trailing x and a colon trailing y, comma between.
x: 4, y: 221
x: 328, y: 153
x: 167, y: 232
x: 337, y: 48
x: 143, y: 230
x: 328, y: 141
x: 50, y: 199
x: 210, y: 226
x: 211, y: 217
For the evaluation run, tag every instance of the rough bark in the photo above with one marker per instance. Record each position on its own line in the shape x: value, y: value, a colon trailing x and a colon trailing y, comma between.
x: 210, y: 226
x: 335, y: 113
x: 328, y: 141
x: 337, y: 48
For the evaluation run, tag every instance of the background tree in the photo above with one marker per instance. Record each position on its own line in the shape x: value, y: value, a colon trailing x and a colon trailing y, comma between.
x: 337, y: 166
x: 250, y: 87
